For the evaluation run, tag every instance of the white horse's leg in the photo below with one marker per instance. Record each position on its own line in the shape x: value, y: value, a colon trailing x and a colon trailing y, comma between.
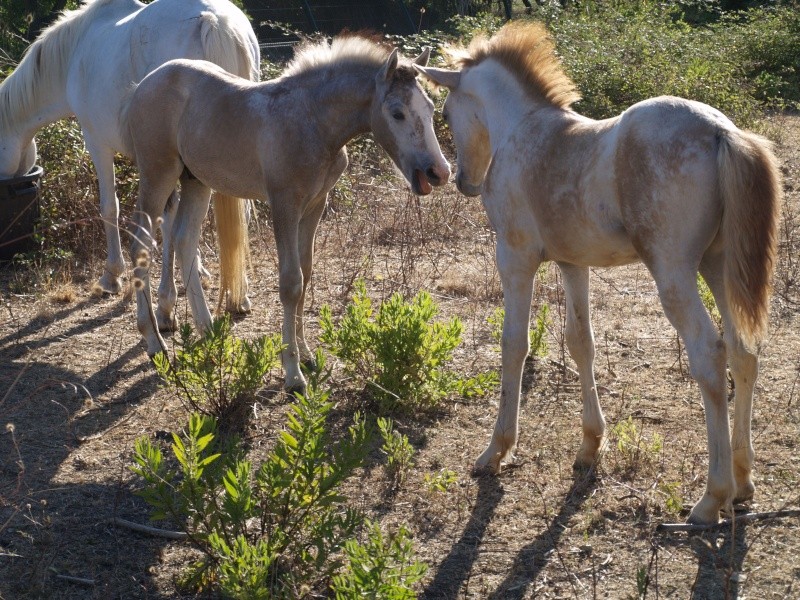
x: 677, y: 289
x: 517, y: 273
x: 167, y: 291
x: 744, y: 368
x: 109, y: 211
x: 142, y: 250
x: 192, y: 210
x: 580, y: 341
x: 285, y: 222
x: 307, y: 232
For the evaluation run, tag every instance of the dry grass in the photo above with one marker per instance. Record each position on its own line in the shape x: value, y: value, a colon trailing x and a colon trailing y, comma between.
x: 78, y: 390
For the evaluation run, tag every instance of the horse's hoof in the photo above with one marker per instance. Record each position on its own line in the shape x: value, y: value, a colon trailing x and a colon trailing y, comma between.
x: 110, y: 284
x: 744, y: 492
x: 489, y: 464
x: 167, y: 323
x: 705, y: 512
x: 239, y: 309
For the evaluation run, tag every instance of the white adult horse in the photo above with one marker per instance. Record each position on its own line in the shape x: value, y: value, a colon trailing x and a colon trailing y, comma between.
x: 669, y: 182
x: 282, y: 141
x: 84, y: 65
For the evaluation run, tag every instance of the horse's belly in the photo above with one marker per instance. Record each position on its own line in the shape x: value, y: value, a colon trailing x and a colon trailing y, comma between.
x: 589, y: 248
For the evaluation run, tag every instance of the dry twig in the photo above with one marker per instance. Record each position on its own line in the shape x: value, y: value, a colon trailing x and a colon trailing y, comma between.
x: 745, y: 518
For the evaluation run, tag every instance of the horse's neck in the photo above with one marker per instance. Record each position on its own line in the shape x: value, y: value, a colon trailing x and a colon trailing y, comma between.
x: 28, y: 104
x: 505, y: 103
x: 342, y: 103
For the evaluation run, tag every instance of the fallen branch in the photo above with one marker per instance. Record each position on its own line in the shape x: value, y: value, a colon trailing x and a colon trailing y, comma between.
x: 745, y: 518
x: 164, y: 533
x: 79, y: 580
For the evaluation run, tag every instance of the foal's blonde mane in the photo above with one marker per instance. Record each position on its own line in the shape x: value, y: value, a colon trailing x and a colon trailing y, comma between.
x: 42, y: 71
x: 526, y: 49
x: 347, y: 48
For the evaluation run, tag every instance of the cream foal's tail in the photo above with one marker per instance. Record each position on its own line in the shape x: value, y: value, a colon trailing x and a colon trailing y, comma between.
x: 229, y: 46
x: 750, y: 185
x: 234, y: 252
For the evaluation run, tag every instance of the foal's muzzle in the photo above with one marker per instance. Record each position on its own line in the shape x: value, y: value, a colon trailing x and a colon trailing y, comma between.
x: 466, y: 188
x: 434, y: 175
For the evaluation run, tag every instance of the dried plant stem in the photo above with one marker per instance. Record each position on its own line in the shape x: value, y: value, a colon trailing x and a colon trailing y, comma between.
x: 170, y: 535
x: 745, y: 518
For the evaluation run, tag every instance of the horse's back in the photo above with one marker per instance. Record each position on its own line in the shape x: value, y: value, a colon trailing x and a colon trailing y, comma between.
x: 128, y: 40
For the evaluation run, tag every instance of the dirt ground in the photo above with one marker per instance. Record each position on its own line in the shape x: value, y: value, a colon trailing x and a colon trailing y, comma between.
x: 77, y: 389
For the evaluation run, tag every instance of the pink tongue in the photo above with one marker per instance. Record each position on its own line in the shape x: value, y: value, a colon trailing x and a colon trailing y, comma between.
x: 422, y: 181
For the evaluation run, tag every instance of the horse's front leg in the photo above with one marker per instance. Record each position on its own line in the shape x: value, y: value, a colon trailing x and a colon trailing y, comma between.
x: 580, y: 341
x: 103, y: 160
x: 517, y: 273
x: 285, y: 222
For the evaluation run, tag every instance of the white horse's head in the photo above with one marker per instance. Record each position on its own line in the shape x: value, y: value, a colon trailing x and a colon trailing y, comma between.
x: 465, y: 115
x: 402, y: 121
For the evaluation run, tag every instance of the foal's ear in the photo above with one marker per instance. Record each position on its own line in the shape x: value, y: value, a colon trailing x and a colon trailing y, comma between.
x: 388, y: 68
x: 422, y: 59
x: 444, y: 77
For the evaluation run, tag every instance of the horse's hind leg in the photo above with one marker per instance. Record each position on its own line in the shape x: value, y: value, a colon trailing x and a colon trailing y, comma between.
x: 744, y: 368
x: 109, y: 211
x: 580, y: 341
x: 192, y: 210
x: 677, y: 289
x: 152, y: 198
x: 167, y: 292
x: 307, y: 231
x: 285, y: 224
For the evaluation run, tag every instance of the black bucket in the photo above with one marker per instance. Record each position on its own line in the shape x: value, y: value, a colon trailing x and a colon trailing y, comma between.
x: 19, y: 212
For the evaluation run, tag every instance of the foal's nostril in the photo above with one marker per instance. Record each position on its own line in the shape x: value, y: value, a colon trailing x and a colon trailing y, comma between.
x: 432, y: 176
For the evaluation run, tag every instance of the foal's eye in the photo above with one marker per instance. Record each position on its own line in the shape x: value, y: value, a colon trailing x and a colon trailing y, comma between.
x: 398, y: 116
x: 445, y: 115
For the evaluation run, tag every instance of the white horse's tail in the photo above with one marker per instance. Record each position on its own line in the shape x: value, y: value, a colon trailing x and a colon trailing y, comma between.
x: 228, y: 46
x: 234, y: 252
x: 750, y: 185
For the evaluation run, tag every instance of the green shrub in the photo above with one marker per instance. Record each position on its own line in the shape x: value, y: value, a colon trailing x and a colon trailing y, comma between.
x: 620, y: 54
x: 441, y: 481
x: 217, y: 373
x: 399, y: 452
x: 633, y: 449
x: 383, y: 567
x: 265, y: 533
x: 398, y: 353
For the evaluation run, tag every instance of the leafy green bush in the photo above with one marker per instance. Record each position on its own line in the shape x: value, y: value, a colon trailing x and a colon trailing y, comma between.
x: 382, y: 567
x: 271, y: 532
x: 399, y: 353
x: 633, y: 449
x: 399, y: 452
x: 620, y: 54
x: 218, y: 372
